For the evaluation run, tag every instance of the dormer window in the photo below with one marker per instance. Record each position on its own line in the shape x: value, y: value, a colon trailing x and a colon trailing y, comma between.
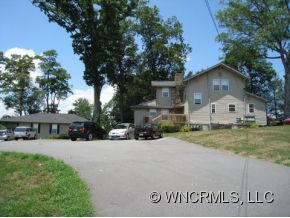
x: 165, y: 92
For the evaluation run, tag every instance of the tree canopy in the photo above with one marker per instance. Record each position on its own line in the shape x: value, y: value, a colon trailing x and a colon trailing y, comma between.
x: 262, y: 25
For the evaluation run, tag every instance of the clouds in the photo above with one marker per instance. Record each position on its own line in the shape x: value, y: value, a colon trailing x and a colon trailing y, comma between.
x: 66, y: 105
x: 106, y: 95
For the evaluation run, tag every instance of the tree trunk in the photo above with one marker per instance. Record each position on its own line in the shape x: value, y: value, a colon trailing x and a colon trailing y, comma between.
x: 286, y: 64
x: 121, y: 105
x: 97, y: 103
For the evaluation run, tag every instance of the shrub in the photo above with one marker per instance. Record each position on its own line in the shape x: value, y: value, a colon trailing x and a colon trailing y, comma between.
x: 184, y: 128
x: 168, y: 126
x: 2, y: 127
x: 254, y: 125
x: 59, y: 136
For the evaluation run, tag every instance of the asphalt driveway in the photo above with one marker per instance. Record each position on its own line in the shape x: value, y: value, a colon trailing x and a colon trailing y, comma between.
x: 122, y: 174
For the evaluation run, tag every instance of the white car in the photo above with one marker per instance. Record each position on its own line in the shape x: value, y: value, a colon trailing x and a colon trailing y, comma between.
x: 6, y: 134
x: 24, y: 133
x: 122, y: 131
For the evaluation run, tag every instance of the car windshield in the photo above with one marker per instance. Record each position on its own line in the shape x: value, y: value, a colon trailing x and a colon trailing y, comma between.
x: 121, y: 126
x: 20, y: 129
x: 76, y: 124
x: 3, y: 132
x: 148, y: 125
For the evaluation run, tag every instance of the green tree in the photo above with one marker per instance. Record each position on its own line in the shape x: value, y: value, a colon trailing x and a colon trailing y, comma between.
x: 263, y: 25
x: 83, y: 108
x: 124, y: 65
x: 249, y: 61
x: 15, y: 84
x: 277, y: 97
x: 164, y: 51
x: 54, y: 81
x: 91, y: 25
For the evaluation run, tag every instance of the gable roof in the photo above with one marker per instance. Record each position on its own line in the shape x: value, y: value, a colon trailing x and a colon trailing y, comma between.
x: 257, y: 96
x: 220, y: 65
x: 163, y: 83
x: 45, y: 118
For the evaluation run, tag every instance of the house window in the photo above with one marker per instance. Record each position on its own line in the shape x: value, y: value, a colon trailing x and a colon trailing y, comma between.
x: 165, y: 92
x: 35, y: 126
x: 232, y: 108
x: 225, y: 84
x: 216, y: 84
x: 251, y: 108
x: 213, y: 108
x: 152, y: 112
x: 220, y: 84
x: 54, y: 128
x: 165, y: 111
x: 197, y: 98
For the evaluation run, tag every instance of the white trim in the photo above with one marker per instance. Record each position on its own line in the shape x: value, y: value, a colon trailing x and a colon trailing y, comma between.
x: 197, y: 93
x: 214, y: 108
x: 249, y: 108
x: 152, y: 112
x: 235, y: 107
x: 165, y: 90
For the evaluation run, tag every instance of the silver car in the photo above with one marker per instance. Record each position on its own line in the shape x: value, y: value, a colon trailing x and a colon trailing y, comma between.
x: 6, y: 134
x: 122, y: 131
x: 24, y: 133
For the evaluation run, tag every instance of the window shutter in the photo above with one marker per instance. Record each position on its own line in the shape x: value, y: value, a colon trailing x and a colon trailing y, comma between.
x: 50, y: 126
x: 31, y: 125
x: 39, y: 128
x: 57, y: 128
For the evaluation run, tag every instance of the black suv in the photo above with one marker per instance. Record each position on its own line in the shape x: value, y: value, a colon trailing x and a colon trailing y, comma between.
x: 87, y: 130
x: 148, y: 131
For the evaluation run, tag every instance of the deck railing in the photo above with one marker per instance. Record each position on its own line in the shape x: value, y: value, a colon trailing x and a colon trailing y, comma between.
x: 175, y: 118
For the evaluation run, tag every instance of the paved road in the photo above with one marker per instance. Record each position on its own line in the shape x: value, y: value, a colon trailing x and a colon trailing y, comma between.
x: 121, y: 174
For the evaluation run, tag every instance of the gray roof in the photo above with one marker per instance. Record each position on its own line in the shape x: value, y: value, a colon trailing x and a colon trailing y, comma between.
x: 256, y: 96
x: 163, y: 83
x: 45, y: 118
x: 217, y: 66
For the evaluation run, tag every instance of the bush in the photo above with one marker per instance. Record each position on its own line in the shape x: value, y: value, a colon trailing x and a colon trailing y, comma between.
x: 2, y: 127
x: 254, y: 125
x: 184, y: 129
x: 168, y: 126
x: 59, y: 136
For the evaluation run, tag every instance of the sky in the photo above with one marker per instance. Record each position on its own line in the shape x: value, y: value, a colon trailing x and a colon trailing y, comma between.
x: 24, y: 29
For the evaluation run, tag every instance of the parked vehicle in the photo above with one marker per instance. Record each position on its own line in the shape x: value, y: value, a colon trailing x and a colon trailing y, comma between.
x: 7, y: 134
x: 148, y: 131
x: 286, y: 121
x: 86, y: 130
x: 24, y: 133
x: 122, y: 131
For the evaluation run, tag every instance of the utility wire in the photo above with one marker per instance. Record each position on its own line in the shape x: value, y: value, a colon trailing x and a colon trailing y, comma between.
x: 212, y: 17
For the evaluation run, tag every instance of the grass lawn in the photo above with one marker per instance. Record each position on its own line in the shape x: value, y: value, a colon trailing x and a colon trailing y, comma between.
x: 37, y: 185
x: 267, y: 143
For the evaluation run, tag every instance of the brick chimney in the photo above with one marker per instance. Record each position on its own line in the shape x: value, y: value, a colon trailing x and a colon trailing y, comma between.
x: 178, y: 78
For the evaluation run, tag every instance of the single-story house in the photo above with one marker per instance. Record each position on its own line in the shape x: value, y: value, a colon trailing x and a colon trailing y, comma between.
x: 45, y: 124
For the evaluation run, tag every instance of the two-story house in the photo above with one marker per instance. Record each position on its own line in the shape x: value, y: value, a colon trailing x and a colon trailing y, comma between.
x: 214, y: 96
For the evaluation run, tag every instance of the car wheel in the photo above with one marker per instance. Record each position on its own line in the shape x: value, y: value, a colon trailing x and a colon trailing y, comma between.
x: 16, y: 139
x: 161, y: 135
x: 73, y: 139
x: 6, y: 139
x: 90, y: 137
x: 127, y: 136
x: 137, y: 138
